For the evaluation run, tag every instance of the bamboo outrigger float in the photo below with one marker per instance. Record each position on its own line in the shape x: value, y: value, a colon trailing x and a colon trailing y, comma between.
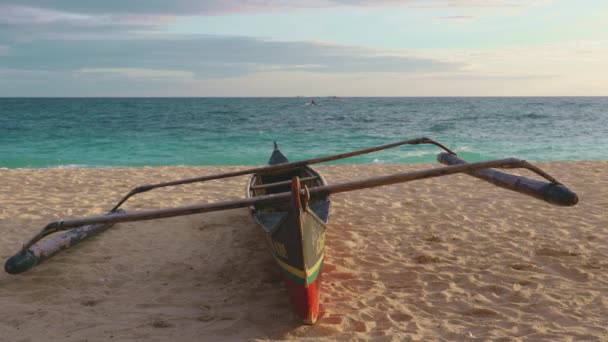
x: 290, y: 202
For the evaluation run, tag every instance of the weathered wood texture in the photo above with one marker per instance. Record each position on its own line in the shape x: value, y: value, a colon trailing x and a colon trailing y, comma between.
x: 553, y: 193
x: 36, y: 254
x: 287, y: 182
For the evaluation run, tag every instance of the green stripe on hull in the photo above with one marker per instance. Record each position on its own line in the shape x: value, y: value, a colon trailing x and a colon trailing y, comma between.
x: 315, y: 274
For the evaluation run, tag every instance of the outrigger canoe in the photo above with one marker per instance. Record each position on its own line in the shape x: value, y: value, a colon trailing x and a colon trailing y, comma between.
x: 294, y: 230
x: 290, y: 202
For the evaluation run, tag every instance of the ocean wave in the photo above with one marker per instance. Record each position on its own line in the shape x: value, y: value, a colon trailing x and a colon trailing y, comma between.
x: 66, y: 166
x: 442, y: 127
x: 463, y: 149
x: 203, y: 131
x: 419, y: 153
x: 531, y: 116
x: 78, y: 166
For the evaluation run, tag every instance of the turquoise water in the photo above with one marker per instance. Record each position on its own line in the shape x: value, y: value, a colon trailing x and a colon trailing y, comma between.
x: 102, y: 132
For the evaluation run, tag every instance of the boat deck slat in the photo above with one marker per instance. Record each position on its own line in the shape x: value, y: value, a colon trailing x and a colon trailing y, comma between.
x: 287, y: 182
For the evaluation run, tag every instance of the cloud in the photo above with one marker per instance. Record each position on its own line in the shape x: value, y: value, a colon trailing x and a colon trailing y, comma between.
x: 16, y: 15
x: 113, y: 47
x: 457, y: 18
x: 564, y: 69
x: 171, y: 64
x: 439, y: 3
x: 224, y: 7
x: 140, y: 73
x: 86, y: 20
x: 489, y: 76
x: 205, y: 56
x: 26, y: 23
x: 483, y: 3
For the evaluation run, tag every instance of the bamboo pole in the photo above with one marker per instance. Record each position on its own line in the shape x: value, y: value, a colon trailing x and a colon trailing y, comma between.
x: 287, y: 182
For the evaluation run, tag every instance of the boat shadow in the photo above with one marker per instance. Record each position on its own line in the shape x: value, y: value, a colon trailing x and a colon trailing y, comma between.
x: 207, y: 276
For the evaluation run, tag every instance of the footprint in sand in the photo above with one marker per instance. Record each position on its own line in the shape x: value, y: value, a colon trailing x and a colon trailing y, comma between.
x: 159, y: 323
x: 481, y: 312
x: 497, y: 289
x: 573, y: 273
x: 545, y: 251
x: 433, y: 238
x: 207, y: 314
x: 426, y: 259
x: 401, y: 317
x: 524, y: 267
x: 437, y: 286
x: 529, y: 284
x: 90, y: 302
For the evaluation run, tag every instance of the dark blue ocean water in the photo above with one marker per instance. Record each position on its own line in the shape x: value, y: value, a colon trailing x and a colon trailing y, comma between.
x: 99, y: 132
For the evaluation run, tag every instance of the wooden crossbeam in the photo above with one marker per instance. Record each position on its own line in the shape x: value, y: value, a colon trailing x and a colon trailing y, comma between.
x: 287, y: 182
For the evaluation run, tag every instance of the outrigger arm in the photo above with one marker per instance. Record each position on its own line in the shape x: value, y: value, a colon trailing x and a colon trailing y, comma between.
x: 553, y: 192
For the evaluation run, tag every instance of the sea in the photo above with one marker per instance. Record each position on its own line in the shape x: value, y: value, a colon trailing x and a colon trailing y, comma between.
x: 124, y: 132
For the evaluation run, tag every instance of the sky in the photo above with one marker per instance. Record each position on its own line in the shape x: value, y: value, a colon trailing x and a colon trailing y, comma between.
x: 303, y: 48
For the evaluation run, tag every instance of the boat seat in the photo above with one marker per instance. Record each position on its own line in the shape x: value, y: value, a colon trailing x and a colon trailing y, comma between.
x: 270, y: 221
x: 321, y: 210
x: 287, y: 182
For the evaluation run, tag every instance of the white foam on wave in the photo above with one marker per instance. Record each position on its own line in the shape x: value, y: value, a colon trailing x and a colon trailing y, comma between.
x: 74, y: 166
x: 464, y: 149
x: 418, y: 153
x: 71, y: 166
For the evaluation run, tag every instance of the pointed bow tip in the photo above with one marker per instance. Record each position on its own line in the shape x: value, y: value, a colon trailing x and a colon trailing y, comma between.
x: 20, y: 262
x: 310, y: 320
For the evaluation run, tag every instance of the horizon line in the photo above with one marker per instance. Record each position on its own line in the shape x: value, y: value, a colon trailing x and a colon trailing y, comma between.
x: 294, y: 96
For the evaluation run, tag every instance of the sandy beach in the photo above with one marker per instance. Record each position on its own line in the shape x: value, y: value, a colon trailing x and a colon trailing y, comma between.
x: 451, y: 258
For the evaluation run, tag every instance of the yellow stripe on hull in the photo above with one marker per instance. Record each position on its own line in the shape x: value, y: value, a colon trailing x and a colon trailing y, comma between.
x: 304, y: 275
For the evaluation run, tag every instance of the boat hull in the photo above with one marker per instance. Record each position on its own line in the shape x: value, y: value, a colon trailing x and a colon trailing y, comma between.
x: 295, y: 235
x: 301, y: 267
x: 305, y: 298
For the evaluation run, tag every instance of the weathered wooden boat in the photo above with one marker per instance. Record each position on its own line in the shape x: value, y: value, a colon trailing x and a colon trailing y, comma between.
x: 290, y: 202
x: 294, y: 230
